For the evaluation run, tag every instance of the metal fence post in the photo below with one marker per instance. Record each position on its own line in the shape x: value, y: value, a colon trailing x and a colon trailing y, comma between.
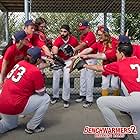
x: 105, y: 19
x: 122, y: 24
x: 26, y: 9
x: 6, y: 27
x: 30, y: 12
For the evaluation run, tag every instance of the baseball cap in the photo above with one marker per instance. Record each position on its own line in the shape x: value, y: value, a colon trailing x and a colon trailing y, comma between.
x: 66, y: 27
x: 20, y: 35
x: 124, y: 39
x: 34, y: 52
x: 102, y: 28
x: 29, y: 22
x: 83, y: 25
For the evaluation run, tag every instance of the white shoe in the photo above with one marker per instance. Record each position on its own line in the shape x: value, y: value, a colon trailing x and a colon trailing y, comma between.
x: 80, y: 99
x: 54, y: 100
x: 36, y: 130
x: 87, y: 104
x: 66, y: 104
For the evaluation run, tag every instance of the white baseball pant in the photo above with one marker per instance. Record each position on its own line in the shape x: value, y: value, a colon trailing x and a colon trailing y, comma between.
x: 37, y: 104
x: 87, y: 81
x: 129, y: 103
x: 66, y: 81
x: 106, y: 82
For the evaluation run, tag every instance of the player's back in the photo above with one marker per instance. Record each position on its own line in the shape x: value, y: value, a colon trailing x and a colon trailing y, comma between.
x: 129, y: 71
x: 18, y: 87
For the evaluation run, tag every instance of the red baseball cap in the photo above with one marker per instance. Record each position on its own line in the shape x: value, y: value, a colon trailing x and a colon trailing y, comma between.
x: 83, y: 25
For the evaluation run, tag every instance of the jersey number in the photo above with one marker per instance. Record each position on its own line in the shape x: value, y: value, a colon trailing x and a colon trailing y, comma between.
x: 136, y: 66
x: 16, y: 78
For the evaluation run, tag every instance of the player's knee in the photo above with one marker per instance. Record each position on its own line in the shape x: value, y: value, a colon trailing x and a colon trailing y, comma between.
x: 100, y: 102
x: 6, y: 126
x: 46, y: 98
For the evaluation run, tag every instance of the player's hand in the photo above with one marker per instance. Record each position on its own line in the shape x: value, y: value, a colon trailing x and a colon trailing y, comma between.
x: 50, y: 56
x: 84, y: 56
x: 75, y: 57
x: 50, y: 60
x: 85, y: 65
x: 75, y: 51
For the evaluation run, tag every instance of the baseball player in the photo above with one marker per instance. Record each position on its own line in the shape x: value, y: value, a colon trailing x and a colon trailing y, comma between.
x: 14, y: 52
x: 23, y: 93
x: 39, y: 38
x: 64, y: 39
x: 106, y: 48
x: 103, y: 28
x: 136, y: 47
x: 87, y: 38
x: 29, y: 27
x: 127, y: 68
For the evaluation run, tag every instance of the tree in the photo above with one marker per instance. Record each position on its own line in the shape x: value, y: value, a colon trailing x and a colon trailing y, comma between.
x: 55, y: 20
x: 132, y: 22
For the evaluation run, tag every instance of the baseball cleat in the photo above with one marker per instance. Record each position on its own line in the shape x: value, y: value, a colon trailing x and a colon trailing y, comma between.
x: 38, y: 129
x: 54, y: 100
x: 66, y: 104
x: 80, y: 99
x: 87, y: 104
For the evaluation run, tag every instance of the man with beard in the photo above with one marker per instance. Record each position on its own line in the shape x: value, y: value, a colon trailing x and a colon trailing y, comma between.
x: 65, y: 37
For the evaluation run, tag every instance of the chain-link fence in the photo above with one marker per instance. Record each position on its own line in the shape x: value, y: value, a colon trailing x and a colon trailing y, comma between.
x: 56, y: 19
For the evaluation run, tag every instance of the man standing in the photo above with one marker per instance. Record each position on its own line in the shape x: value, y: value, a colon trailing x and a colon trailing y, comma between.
x: 87, y: 38
x: 65, y: 38
x: 39, y: 38
x: 107, y: 52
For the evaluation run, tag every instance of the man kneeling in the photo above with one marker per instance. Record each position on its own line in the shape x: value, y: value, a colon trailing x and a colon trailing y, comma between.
x: 128, y: 69
x: 23, y: 93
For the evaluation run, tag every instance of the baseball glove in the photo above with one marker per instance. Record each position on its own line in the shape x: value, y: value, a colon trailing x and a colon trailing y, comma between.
x: 58, y: 63
x: 78, y: 64
x: 67, y: 49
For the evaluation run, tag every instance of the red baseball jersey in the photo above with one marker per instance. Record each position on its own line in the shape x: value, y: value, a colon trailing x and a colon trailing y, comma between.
x: 110, y: 52
x: 136, y: 50
x: 88, y: 38
x: 38, y: 39
x: 21, y: 82
x: 128, y: 70
x: 29, y: 37
x: 13, y: 55
x: 114, y: 41
x: 59, y: 42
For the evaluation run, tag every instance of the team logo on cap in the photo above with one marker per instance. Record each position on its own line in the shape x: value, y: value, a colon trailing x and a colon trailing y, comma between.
x: 80, y: 24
